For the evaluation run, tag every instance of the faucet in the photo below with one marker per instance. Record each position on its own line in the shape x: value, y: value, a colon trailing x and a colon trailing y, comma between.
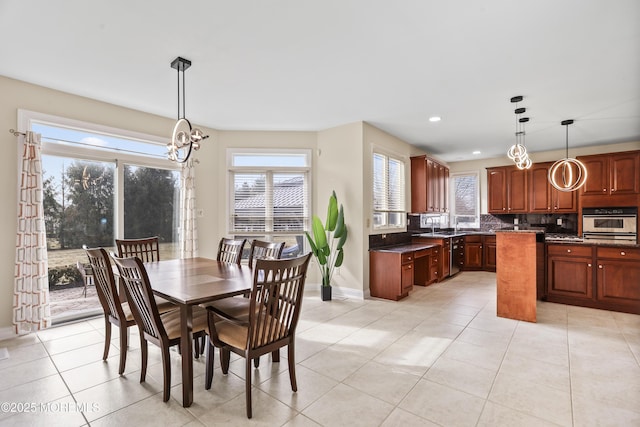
x: 432, y: 219
x: 455, y: 222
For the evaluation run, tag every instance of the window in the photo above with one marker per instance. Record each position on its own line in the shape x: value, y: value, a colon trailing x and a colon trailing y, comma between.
x: 466, y: 196
x: 269, y: 196
x: 100, y: 184
x: 388, y: 192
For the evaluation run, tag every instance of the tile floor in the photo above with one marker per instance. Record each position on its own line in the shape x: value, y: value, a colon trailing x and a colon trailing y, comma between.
x: 440, y: 357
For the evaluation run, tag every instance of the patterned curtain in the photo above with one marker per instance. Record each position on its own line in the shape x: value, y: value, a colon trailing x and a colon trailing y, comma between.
x: 189, y: 224
x: 31, y: 286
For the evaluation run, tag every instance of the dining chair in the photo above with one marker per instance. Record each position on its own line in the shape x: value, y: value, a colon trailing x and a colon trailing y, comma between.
x: 147, y: 249
x: 162, y: 330
x: 275, y: 301
x: 238, y: 307
x: 230, y: 250
x: 262, y: 249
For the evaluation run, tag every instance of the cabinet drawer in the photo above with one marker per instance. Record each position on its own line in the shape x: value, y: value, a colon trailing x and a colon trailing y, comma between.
x: 569, y: 250
x: 422, y: 252
x: 406, y: 258
x: 619, y: 253
x: 474, y: 238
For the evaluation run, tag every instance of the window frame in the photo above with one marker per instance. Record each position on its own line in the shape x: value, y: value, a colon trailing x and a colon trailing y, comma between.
x: 452, y: 197
x: 268, y: 171
x: 403, y: 192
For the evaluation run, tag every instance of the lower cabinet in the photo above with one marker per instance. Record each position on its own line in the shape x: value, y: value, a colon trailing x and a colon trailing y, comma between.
x: 594, y: 276
x: 393, y: 273
x: 472, y: 252
x: 489, y: 253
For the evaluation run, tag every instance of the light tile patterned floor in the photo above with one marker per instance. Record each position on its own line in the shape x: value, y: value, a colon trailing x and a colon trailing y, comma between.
x: 439, y: 357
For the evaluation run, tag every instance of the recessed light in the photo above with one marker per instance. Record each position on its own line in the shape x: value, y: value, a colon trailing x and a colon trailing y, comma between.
x: 434, y: 119
x: 476, y: 152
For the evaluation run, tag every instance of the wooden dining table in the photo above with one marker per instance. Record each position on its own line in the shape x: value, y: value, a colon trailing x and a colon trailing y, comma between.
x: 193, y: 281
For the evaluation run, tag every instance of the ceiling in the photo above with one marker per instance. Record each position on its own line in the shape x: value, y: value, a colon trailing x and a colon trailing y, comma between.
x: 313, y: 65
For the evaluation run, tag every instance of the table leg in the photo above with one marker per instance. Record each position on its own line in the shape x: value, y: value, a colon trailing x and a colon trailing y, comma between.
x: 186, y: 338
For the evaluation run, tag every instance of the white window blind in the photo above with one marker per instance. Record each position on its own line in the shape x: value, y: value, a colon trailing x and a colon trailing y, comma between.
x: 388, y: 192
x: 466, y: 197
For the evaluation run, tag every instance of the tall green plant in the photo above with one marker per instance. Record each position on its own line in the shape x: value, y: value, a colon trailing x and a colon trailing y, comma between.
x: 328, y: 240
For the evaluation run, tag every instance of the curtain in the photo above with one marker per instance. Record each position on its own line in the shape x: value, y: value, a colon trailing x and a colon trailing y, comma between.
x: 189, y: 225
x: 31, y: 310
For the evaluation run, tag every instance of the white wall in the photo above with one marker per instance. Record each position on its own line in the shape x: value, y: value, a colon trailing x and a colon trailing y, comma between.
x: 480, y: 166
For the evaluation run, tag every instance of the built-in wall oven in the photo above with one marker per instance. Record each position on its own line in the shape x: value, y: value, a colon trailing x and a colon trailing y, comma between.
x: 610, y: 225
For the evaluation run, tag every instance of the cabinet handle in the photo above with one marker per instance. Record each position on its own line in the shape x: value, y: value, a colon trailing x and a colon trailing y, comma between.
x: 410, y: 267
x: 604, y: 190
x: 503, y: 209
x: 569, y: 250
x: 409, y: 258
x: 613, y: 189
x: 623, y: 253
x: 589, y: 265
x: 600, y: 266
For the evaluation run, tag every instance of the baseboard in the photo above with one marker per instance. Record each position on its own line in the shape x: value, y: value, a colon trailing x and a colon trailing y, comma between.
x: 348, y: 293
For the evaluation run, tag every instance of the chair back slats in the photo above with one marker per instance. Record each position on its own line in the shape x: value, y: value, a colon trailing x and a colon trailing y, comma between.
x: 105, y: 282
x: 147, y: 249
x: 276, y: 298
x: 262, y: 249
x: 230, y: 250
x: 140, y: 296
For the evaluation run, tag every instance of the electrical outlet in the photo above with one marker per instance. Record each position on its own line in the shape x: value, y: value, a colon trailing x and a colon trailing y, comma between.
x: 559, y: 221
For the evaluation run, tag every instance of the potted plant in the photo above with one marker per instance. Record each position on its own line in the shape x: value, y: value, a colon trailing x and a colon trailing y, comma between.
x: 327, y: 243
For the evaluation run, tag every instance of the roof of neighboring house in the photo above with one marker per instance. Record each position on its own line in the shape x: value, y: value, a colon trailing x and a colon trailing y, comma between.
x: 286, y: 194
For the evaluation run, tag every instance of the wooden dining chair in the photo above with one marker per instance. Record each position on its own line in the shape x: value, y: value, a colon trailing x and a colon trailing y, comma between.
x: 230, y: 250
x: 162, y: 330
x: 147, y: 249
x: 275, y: 301
x: 262, y: 249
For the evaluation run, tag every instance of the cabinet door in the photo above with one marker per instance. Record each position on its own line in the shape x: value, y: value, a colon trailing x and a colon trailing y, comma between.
x: 497, y: 190
x: 489, y: 253
x: 617, y: 282
x: 570, y: 277
x: 564, y: 201
x: 446, y: 259
x: 418, y: 184
x: 539, y: 188
x: 472, y: 256
x: 444, y: 190
x: 517, y: 190
x: 597, y: 175
x: 623, y: 177
x: 432, y: 187
x: 407, y: 277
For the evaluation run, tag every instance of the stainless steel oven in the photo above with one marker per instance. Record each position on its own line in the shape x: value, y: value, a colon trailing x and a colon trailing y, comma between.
x: 614, y: 225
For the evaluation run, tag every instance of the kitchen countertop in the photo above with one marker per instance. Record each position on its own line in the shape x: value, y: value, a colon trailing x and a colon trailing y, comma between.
x: 409, y: 247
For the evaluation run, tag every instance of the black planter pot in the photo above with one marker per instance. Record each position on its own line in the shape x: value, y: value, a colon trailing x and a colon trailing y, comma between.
x: 326, y: 293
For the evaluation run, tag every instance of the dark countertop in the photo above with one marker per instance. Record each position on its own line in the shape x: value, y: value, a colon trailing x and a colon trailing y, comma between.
x: 410, y: 247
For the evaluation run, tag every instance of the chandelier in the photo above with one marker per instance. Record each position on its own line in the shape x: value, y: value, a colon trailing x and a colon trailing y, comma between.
x: 518, y: 151
x: 567, y: 174
x: 184, y: 139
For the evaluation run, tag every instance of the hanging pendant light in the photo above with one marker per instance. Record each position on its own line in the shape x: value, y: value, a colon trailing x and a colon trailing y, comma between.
x: 518, y: 151
x: 567, y: 174
x: 184, y: 138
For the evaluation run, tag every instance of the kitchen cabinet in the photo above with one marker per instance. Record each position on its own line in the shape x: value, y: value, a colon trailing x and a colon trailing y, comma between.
x: 489, y: 253
x: 612, y: 174
x: 394, y: 271
x: 507, y: 190
x: 429, y: 186
x: 598, y: 276
x: 473, y: 252
x: 617, y: 278
x: 440, y: 257
x: 569, y: 273
x: 544, y: 197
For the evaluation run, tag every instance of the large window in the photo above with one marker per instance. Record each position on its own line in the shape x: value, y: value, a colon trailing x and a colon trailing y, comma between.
x: 466, y: 196
x: 388, y: 192
x: 100, y: 184
x: 269, y: 196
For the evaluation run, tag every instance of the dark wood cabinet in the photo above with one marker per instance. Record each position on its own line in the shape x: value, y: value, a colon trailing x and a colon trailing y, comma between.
x: 594, y: 276
x: 507, y: 190
x: 440, y: 257
x: 489, y: 253
x: 612, y: 174
x: 473, y: 252
x: 429, y: 186
x: 569, y: 272
x: 544, y: 197
x: 393, y: 273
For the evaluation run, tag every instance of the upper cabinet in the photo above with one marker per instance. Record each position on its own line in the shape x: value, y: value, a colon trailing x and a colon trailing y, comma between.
x: 611, y: 174
x: 544, y: 197
x: 429, y: 186
x: 507, y: 190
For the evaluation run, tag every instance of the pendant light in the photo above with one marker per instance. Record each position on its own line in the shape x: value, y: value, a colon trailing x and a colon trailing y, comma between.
x: 184, y: 138
x: 518, y: 151
x: 567, y: 174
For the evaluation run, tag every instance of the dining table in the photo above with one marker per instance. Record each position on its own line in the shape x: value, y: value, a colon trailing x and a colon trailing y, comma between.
x: 193, y: 281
